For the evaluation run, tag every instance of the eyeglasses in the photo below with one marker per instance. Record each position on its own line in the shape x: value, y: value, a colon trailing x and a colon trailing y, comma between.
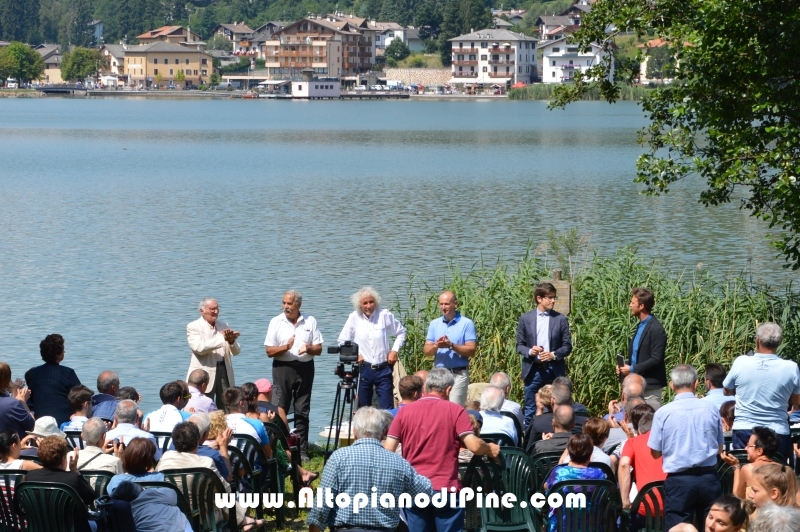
x: 748, y: 446
x: 554, y: 298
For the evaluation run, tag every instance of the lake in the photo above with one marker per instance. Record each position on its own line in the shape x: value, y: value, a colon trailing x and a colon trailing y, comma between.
x: 119, y: 215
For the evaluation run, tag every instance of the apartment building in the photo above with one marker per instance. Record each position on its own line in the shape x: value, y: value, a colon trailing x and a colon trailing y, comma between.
x: 560, y: 60
x: 169, y: 34
x: 331, y: 45
x: 144, y: 64
x: 493, y: 57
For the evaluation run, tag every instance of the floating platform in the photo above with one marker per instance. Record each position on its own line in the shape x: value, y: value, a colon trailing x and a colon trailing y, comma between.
x: 63, y: 89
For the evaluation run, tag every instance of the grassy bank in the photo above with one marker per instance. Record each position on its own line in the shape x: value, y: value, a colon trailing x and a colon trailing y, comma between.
x: 707, y: 318
x: 544, y: 91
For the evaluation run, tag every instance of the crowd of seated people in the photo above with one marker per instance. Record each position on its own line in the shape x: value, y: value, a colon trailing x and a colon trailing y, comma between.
x: 682, y: 444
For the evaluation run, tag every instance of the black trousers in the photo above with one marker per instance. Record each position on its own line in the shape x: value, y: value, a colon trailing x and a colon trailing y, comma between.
x: 294, y: 380
x: 688, y: 495
x: 219, y: 385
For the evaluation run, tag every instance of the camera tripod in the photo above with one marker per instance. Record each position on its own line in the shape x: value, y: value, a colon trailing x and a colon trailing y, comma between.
x: 346, y: 394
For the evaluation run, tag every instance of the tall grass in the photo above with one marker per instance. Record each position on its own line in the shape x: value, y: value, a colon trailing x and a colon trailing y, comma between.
x: 544, y: 91
x: 707, y: 318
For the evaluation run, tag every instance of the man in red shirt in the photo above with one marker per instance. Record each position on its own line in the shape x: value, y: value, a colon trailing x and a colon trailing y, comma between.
x: 431, y: 431
x: 636, y: 455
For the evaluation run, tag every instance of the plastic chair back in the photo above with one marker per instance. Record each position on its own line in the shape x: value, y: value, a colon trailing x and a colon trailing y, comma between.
x: 651, y: 497
x: 472, y: 477
x: 267, y: 479
x: 605, y: 469
x: 543, y: 463
x: 50, y: 506
x: 10, y: 519
x: 199, y: 486
x: 500, y: 438
x: 98, y: 480
x: 517, y: 426
x: 163, y: 440
x: 601, y: 510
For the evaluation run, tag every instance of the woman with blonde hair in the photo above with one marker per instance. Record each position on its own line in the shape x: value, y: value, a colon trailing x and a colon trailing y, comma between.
x: 772, y: 483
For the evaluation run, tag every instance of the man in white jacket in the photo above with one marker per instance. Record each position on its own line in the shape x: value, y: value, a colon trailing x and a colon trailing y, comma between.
x: 213, y: 343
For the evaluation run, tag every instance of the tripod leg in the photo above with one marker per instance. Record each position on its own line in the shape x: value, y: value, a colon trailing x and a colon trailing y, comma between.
x: 334, y: 425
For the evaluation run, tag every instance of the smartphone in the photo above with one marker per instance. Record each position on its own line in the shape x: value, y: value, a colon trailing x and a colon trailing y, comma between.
x: 620, y: 360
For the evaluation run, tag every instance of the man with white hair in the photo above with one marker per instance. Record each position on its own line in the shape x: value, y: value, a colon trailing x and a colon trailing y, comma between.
x: 293, y: 341
x: 431, y: 431
x: 493, y: 421
x: 688, y: 433
x: 93, y: 456
x: 361, y: 468
x: 503, y: 381
x: 125, y: 417
x: 764, y: 384
x: 775, y: 518
x: 370, y: 326
x: 213, y: 344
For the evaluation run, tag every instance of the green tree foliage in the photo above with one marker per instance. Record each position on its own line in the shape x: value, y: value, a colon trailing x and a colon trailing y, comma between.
x: 730, y: 115
x: 214, y: 79
x: 81, y: 33
x: 660, y: 64
x: 458, y: 18
x: 180, y: 76
x: 397, y: 50
x: 81, y: 63
x: 219, y: 42
x: 12, y: 20
x: 21, y: 62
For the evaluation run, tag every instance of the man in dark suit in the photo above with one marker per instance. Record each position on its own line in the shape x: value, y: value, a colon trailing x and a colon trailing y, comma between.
x: 544, y: 341
x: 646, y: 348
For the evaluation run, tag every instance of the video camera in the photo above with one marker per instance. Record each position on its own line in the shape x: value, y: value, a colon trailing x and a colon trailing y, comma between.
x: 348, y: 352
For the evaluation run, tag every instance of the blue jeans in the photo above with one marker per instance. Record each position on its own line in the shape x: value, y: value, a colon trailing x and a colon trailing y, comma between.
x: 432, y: 519
x: 381, y: 380
x: 536, y: 378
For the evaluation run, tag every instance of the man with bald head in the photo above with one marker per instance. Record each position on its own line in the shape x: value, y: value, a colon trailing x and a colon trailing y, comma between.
x: 200, y: 402
x: 563, y: 422
x: 452, y: 341
x: 213, y: 344
x: 104, y: 402
x: 632, y: 386
x: 293, y: 342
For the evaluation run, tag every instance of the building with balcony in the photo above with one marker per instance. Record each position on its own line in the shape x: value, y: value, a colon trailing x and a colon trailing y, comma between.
x: 560, y: 60
x: 493, y: 57
x: 333, y: 45
x: 170, y: 34
x: 145, y: 64
x: 238, y: 34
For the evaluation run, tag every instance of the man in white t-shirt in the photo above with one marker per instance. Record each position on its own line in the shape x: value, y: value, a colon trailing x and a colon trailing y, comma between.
x: 764, y: 384
x: 292, y: 342
x: 170, y: 414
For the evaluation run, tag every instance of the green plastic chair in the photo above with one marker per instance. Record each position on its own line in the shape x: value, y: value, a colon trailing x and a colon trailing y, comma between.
x: 163, y: 440
x: 517, y: 478
x: 277, y: 435
x: 192, y: 515
x: 543, y: 463
x: 605, y: 469
x: 501, y: 439
x: 517, y: 426
x: 652, y: 496
x: 10, y: 520
x: 602, y: 509
x: 199, y: 487
x: 50, y: 506
x: 98, y: 480
x: 472, y: 477
x: 726, y: 471
x: 267, y: 478
x: 74, y: 440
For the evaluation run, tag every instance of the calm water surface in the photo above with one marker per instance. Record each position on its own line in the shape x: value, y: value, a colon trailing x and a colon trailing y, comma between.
x: 118, y: 215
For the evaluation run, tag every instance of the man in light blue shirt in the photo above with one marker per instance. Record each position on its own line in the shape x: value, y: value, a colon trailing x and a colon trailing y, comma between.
x: 452, y: 341
x: 764, y: 385
x: 714, y: 378
x: 688, y: 434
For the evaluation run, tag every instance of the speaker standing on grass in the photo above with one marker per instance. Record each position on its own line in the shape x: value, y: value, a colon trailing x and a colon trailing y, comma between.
x: 370, y: 326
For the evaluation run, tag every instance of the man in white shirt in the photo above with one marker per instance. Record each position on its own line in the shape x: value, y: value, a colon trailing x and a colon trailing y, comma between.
x: 292, y: 342
x: 125, y: 417
x: 493, y: 421
x: 764, y: 384
x: 213, y: 343
x: 369, y: 326
x: 165, y: 418
x: 503, y: 381
x: 92, y: 456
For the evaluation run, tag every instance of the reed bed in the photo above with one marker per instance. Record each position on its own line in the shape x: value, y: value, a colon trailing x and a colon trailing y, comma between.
x: 707, y: 318
x: 544, y: 91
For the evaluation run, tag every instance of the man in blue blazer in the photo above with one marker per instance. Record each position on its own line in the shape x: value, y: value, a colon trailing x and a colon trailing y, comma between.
x: 544, y: 341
